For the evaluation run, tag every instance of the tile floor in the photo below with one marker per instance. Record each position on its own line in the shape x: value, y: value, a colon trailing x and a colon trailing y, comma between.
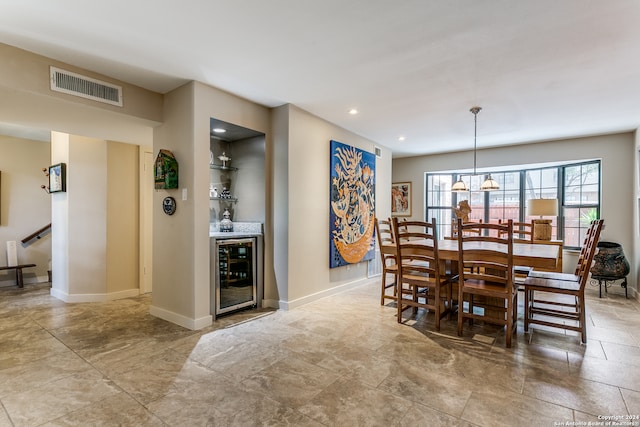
x: 341, y: 361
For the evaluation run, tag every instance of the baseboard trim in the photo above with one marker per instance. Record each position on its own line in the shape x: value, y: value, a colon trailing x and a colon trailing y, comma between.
x: 288, y: 305
x: 26, y: 280
x: 180, y: 320
x: 111, y: 296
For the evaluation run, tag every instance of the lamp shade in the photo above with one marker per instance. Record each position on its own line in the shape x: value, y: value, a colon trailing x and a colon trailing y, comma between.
x: 489, y: 184
x: 542, y: 207
x: 459, y: 186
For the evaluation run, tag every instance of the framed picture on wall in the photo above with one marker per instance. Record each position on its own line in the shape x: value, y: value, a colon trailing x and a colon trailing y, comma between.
x: 57, y: 178
x: 401, y: 199
x: 352, y: 205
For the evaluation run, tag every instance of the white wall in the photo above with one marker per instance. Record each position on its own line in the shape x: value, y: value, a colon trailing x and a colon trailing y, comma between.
x: 616, y: 151
x: 24, y: 206
x: 60, y: 222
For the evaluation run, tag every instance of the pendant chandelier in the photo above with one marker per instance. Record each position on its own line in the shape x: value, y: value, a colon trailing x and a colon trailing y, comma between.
x: 489, y: 184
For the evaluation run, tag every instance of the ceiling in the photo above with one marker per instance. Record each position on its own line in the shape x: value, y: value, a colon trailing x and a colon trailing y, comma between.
x: 540, y: 69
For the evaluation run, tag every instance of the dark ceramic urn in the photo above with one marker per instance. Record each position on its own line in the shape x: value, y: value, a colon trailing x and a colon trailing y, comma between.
x: 610, y: 261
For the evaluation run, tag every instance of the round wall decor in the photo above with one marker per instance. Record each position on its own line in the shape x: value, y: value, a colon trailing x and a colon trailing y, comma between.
x: 169, y: 205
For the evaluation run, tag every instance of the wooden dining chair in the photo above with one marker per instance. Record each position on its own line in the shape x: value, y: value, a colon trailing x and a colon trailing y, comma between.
x: 546, y: 302
x: 419, y: 270
x: 580, y: 265
x: 522, y: 231
x: 387, y: 245
x: 469, y: 229
x: 486, y: 277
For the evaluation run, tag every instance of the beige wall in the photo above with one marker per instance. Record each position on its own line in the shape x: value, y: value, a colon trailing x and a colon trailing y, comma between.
x: 181, y: 257
x: 95, y: 232
x: 28, y: 101
x: 87, y: 213
x: 173, y: 236
x: 307, y: 206
x: 297, y: 198
x: 27, y: 72
x: 634, y: 257
x: 24, y: 206
x: 277, y: 261
x: 250, y: 180
x: 122, y: 217
x: 616, y: 151
x: 181, y: 244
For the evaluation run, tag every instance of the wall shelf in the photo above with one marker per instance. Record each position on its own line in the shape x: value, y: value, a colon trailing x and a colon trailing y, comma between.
x: 224, y: 199
x: 223, y: 168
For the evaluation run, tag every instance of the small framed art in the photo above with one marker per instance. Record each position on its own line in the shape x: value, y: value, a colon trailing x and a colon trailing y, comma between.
x: 401, y: 199
x: 57, y: 178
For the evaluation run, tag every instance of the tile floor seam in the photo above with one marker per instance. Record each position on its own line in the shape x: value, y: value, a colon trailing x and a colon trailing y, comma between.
x: 4, y: 409
x: 572, y: 356
x: 104, y: 375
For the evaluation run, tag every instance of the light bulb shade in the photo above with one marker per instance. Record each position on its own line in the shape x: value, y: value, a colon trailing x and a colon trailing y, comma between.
x: 489, y: 184
x: 459, y: 186
x: 542, y: 207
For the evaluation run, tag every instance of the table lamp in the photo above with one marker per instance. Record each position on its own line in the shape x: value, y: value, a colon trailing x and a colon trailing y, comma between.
x: 542, y: 207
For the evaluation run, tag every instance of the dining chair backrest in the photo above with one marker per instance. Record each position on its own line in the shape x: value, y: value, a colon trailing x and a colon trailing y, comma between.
x: 384, y: 232
x: 584, y: 247
x: 588, y: 250
x: 388, y: 258
x: 487, y: 256
x: 417, y: 242
x: 469, y: 230
x: 522, y: 231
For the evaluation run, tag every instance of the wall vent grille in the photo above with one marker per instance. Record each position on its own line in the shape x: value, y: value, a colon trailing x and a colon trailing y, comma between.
x: 378, y: 151
x: 85, y: 87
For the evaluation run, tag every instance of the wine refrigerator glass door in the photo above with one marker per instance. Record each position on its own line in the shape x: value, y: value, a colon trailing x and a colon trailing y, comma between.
x: 236, y: 274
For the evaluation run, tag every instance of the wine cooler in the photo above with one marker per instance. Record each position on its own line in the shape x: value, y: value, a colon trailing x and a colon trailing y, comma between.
x: 235, y: 274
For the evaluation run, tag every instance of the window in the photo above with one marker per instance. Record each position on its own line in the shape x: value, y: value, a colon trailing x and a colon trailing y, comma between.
x: 505, y: 202
x: 580, y: 201
x: 542, y: 184
x: 440, y: 199
x: 575, y: 186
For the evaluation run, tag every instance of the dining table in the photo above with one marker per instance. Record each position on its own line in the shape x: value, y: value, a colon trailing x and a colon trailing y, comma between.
x: 536, y: 255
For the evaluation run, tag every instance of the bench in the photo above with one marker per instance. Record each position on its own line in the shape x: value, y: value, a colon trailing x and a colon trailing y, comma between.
x: 18, y: 269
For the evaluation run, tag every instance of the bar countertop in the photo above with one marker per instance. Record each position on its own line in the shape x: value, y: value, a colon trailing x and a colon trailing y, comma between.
x: 240, y: 229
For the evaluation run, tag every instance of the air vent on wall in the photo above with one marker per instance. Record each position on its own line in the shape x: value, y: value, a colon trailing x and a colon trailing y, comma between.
x: 378, y: 151
x: 85, y: 87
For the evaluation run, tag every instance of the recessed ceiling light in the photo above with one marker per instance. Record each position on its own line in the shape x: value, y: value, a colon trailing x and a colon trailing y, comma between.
x: 401, y: 138
x: 219, y: 130
x: 353, y: 111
